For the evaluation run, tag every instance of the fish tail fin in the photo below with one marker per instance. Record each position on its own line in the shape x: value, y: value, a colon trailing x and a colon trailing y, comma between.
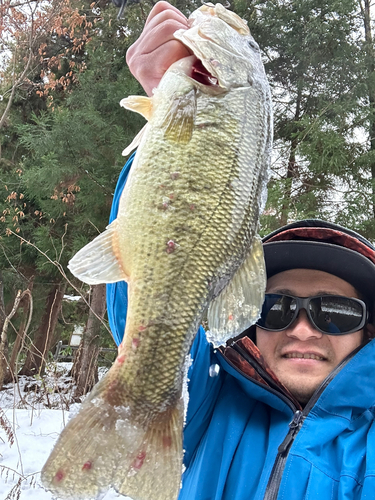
x: 155, y: 470
x: 105, y: 445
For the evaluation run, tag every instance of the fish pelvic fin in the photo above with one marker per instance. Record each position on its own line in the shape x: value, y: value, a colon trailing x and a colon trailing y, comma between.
x: 135, y: 142
x: 107, y: 445
x: 138, y: 103
x: 240, y: 303
x: 179, y: 119
x: 98, y: 262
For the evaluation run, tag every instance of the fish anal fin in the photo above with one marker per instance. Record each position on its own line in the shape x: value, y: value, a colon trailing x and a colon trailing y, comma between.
x: 179, y: 119
x: 135, y: 142
x: 139, y: 104
x: 239, y: 305
x: 98, y: 261
x: 107, y: 445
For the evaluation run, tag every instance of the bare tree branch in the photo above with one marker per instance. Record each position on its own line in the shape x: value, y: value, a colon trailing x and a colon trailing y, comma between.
x: 17, y: 82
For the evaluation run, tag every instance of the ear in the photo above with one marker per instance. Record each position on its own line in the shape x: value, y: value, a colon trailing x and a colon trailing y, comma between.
x: 369, y: 331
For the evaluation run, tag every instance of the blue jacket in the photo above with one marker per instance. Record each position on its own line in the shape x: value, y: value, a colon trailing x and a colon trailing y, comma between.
x: 244, y: 439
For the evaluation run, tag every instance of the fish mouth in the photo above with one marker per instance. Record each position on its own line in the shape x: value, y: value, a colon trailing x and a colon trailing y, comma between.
x: 200, y: 74
x: 195, y: 70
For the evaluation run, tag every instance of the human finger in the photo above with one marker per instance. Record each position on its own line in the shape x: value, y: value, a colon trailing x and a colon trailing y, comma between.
x: 156, y: 49
x: 150, y: 68
x: 162, y: 6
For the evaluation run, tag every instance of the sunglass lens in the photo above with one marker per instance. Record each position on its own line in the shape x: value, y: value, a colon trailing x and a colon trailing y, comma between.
x: 335, y: 315
x: 278, y: 311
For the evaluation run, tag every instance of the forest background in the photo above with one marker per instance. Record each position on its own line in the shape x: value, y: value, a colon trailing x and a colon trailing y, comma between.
x: 62, y: 131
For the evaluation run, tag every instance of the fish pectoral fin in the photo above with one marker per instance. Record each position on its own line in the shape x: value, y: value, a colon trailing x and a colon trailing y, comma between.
x: 179, y: 119
x: 107, y: 444
x: 138, y: 103
x: 135, y: 142
x: 98, y: 262
x: 240, y: 303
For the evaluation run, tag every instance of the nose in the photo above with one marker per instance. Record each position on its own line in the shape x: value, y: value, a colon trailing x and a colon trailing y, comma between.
x: 302, y: 328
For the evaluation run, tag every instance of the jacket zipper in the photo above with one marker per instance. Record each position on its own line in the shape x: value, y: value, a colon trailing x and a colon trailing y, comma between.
x: 274, y: 481
x: 295, y: 425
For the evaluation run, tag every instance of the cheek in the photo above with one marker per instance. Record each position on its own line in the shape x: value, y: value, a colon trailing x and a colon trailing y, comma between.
x: 267, y: 343
x: 259, y: 337
x: 342, y: 346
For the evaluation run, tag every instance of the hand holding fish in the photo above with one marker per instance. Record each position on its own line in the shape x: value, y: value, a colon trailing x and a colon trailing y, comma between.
x: 157, y: 49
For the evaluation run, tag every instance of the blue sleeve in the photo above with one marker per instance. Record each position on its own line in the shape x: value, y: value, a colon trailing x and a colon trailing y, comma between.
x: 117, y: 293
x: 203, y: 391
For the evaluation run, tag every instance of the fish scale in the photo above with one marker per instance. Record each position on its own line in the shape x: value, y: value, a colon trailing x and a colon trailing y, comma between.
x: 185, y: 240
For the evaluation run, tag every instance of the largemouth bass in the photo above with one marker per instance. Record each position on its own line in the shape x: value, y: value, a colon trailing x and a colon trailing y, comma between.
x: 185, y: 239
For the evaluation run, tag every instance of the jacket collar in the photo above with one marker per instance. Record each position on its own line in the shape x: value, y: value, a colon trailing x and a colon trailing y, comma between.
x: 351, y: 391
x: 247, y: 358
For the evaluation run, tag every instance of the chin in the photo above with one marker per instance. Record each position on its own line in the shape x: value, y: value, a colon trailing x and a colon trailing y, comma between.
x: 302, y: 393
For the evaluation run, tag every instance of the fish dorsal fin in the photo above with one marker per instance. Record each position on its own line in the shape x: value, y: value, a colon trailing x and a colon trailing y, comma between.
x: 98, y: 261
x: 239, y: 305
x: 135, y: 142
x: 179, y: 119
x: 139, y: 104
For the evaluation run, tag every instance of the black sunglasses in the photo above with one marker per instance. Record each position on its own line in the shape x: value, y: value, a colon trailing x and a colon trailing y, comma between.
x: 330, y: 314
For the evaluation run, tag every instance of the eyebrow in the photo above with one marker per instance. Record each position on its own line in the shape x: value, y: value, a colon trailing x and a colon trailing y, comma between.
x: 287, y: 291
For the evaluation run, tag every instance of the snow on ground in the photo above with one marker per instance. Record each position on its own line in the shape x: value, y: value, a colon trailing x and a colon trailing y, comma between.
x: 32, y: 416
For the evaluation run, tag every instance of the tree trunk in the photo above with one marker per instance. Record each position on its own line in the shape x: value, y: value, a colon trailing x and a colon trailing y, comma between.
x: 37, y: 354
x: 3, y: 343
x: 2, y: 303
x: 26, y: 304
x: 370, y: 69
x: 85, y: 368
x: 292, y: 167
x: 4, y: 339
x: 290, y: 175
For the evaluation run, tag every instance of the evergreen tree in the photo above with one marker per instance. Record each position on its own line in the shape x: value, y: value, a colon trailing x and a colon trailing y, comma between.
x: 63, y: 130
x: 62, y: 183
x: 314, y: 60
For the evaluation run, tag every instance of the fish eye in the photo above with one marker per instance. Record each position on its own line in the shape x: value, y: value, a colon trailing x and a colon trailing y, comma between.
x: 253, y: 45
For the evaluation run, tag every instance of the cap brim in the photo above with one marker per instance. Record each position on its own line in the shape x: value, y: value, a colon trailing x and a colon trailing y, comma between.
x: 347, y: 264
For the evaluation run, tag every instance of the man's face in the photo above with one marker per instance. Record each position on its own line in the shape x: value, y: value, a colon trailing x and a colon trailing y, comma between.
x: 321, y: 352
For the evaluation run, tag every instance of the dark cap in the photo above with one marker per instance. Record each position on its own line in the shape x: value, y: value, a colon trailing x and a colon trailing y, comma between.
x: 320, y: 245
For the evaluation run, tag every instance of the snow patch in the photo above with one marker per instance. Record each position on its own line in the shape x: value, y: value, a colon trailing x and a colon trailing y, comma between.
x: 35, y: 428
